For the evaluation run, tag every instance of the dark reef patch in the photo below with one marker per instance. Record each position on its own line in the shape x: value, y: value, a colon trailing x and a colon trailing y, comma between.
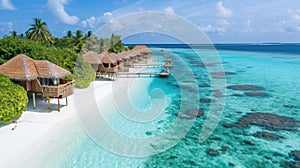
x: 295, y: 154
x: 288, y: 106
x: 194, y: 112
x: 212, y: 152
x: 237, y: 95
x: 204, y: 85
x: 267, y: 135
x: 267, y: 120
x: 245, y: 87
x: 256, y: 94
x: 207, y: 100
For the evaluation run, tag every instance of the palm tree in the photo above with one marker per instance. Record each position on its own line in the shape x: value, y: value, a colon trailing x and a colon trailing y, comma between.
x: 89, y: 34
x: 39, y: 31
x: 79, y: 37
x: 14, y: 34
x: 69, y: 34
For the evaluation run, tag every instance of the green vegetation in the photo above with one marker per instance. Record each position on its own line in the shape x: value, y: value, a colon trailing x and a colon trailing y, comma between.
x: 39, y: 31
x: 39, y: 44
x: 13, y: 100
x: 84, y: 74
x: 10, y: 47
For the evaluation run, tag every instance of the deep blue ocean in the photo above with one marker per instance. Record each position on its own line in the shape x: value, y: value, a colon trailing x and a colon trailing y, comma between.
x: 258, y: 126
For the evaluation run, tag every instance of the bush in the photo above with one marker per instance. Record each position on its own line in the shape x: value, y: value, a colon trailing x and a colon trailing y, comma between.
x: 84, y: 74
x: 13, y: 100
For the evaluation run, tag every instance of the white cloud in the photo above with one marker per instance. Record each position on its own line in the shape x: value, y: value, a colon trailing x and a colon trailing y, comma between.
x: 292, y: 23
x: 223, y: 22
x: 57, y: 8
x: 294, y: 15
x: 7, y: 5
x: 94, y: 22
x: 223, y: 11
x: 6, y: 27
x: 247, y: 24
x: 212, y: 29
x: 107, y: 14
x: 90, y: 22
x: 169, y: 10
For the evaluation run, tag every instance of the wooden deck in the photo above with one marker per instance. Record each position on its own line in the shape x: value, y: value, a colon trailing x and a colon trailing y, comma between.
x: 59, y: 91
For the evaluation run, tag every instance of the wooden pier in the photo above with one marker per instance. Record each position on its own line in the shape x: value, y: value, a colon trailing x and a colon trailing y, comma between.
x: 151, y: 65
x: 143, y: 74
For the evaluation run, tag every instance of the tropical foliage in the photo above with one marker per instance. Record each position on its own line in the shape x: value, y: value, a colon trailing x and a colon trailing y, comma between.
x: 10, y: 47
x: 84, y: 74
x: 39, y: 31
x: 39, y: 44
x: 13, y: 100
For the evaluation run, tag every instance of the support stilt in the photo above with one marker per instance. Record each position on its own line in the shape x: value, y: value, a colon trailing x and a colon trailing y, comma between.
x: 33, y: 98
x: 66, y: 101
x: 48, y: 98
x: 58, y: 105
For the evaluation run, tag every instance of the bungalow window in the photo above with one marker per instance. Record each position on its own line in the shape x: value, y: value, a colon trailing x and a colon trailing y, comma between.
x: 55, y: 81
x: 44, y: 81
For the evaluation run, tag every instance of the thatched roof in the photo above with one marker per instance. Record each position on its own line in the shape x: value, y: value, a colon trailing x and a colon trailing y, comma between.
x: 106, y: 58
x: 47, y: 69
x: 115, y: 56
x: 142, y: 49
x: 22, y: 67
x: 92, y: 57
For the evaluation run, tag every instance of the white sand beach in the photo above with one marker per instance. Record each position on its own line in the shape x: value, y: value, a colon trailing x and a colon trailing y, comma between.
x: 35, y: 126
x: 20, y: 139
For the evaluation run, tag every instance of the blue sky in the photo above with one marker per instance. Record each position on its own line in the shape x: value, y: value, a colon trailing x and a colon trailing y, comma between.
x: 226, y: 21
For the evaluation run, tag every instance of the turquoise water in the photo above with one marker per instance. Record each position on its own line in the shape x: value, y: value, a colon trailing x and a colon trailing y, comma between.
x: 279, y: 74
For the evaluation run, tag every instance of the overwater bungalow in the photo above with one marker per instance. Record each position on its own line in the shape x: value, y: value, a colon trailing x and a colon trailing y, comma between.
x: 144, y: 50
x: 39, y: 77
x: 93, y: 58
x: 109, y: 65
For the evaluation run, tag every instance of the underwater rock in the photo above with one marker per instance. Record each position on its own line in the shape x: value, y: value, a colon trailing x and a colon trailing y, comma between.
x: 190, y: 162
x: 237, y: 95
x: 278, y: 154
x: 295, y: 154
x: 267, y: 120
x: 184, y: 116
x: 173, y: 157
x: 218, y: 95
x: 291, y: 164
x: 224, y: 148
x: 248, y: 142
x: 288, y: 106
x: 148, y: 133
x: 231, y: 164
x: 204, y: 85
x: 268, y: 157
x: 189, y: 81
x: 245, y: 87
x: 221, y: 74
x: 195, y: 112
x: 267, y: 135
x: 256, y: 94
x: 188, y: 88
x: 212, y: 152
x: 207, y: 100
